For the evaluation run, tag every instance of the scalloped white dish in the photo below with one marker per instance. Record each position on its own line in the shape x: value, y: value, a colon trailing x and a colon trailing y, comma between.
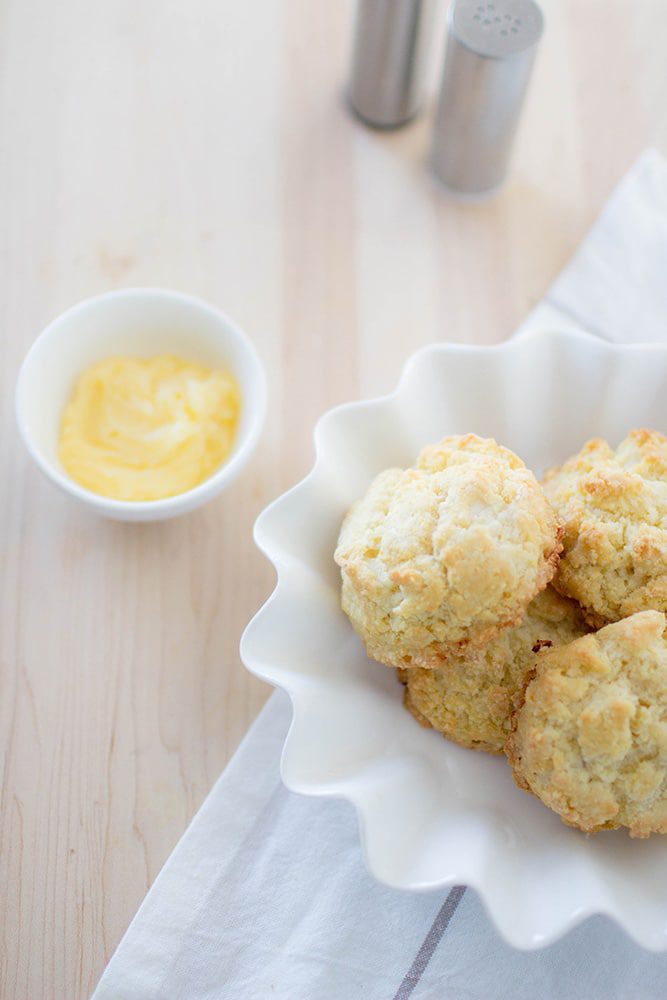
x: 433, y: 814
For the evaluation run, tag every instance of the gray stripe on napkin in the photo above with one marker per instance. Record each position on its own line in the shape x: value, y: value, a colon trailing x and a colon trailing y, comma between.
x: 430, y: 943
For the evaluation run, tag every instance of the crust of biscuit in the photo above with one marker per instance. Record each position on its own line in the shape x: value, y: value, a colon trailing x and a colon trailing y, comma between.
x: 471, y: 698
x: 510, y: 749
x: 589, y: 731
x: 414, y: 711
x: 614, y: 507
x: 446, y: 554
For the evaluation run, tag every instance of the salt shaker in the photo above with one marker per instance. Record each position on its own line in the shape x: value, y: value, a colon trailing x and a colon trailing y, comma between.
x: 490, y: 51
x: 391, y: 42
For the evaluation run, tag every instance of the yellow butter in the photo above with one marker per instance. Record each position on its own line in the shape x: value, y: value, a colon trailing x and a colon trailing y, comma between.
x: 148, y: 428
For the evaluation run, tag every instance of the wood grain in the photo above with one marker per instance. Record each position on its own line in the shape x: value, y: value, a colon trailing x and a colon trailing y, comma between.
x: 206, y: 146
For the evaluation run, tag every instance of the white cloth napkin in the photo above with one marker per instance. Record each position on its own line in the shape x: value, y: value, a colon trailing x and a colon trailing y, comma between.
x: 266, y: 895
x: 615, y: 285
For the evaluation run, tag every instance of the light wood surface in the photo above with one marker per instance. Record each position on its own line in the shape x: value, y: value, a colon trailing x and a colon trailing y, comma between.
x: 205, y: 145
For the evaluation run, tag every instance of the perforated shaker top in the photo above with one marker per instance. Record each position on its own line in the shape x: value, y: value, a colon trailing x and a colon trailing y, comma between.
x: 497, y: 29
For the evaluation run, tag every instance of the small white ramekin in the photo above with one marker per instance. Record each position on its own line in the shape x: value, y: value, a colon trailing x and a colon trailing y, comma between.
x: 141, y: 322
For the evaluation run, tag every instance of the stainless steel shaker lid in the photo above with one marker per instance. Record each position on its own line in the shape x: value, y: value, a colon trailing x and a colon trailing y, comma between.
x: 499, y: 29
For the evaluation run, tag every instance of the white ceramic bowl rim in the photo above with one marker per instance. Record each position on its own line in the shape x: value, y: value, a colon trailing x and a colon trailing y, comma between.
x: 198, y: 494
x: 360, y: 784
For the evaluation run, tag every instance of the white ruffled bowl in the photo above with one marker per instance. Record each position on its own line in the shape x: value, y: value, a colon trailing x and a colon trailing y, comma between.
x: 431, y: 813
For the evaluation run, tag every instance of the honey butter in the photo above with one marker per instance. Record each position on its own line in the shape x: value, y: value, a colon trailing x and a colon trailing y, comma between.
x: 147, y: 428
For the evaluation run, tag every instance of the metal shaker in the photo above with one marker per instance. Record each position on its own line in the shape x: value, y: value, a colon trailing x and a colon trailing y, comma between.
x: 391, y: 42
x: 490, y: 51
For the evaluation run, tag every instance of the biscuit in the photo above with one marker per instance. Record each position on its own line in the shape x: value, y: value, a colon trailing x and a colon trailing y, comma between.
x: 448, y: 552
x: 470, y: 698
x: 590, y: 739
x: 614, y: 508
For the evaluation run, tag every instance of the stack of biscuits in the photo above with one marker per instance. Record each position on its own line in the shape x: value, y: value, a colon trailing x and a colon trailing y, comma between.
x: 527, y: 618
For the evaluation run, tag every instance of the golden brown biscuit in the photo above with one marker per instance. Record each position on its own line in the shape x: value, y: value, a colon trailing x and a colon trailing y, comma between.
x: 470, y: 698
x: 590, y: 739
x: 448, y: 552
x: 614, y: 508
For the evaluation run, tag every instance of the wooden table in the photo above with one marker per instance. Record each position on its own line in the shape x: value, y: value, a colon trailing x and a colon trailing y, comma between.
x: 205, y: 146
